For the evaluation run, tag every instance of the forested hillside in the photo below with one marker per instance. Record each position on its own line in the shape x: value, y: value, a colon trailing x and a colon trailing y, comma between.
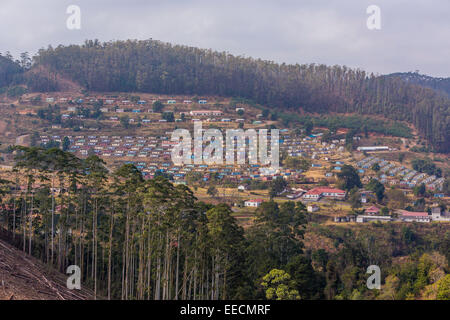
x: 153, y: 66
x: 8, y: 70
x: 439, y: 84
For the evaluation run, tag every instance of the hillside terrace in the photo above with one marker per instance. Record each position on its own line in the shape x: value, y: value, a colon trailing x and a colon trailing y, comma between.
x: 211, y: 109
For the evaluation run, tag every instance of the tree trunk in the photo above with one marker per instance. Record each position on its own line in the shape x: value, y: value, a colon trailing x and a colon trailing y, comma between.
x: 178, y: 266
x: 31, y: 225
x: 110, y: 253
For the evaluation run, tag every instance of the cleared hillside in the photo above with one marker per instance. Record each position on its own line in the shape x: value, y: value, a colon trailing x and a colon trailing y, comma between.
x: 23, y: 277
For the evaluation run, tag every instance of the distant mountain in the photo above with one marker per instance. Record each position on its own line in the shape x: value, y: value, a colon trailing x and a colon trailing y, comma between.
x: 439, y: 84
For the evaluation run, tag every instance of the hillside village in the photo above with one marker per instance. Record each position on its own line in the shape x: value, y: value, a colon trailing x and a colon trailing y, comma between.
x: 136, y: 129
x: 233, y: 158
x: 90, y: 177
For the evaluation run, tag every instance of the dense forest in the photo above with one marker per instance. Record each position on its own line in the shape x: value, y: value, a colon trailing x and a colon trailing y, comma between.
x: 439, y: 84
x: 157, y: 67
x: 9, y: 70
x: 143, y: 239
x: 148, y: 239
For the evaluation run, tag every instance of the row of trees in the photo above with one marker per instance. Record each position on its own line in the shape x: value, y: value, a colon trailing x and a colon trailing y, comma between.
x: 142, y: 239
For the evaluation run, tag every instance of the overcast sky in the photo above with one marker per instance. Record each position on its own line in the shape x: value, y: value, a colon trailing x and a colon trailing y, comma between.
x: 414, y: 34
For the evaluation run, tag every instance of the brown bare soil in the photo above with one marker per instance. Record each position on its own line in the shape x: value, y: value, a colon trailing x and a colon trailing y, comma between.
x: 23, y: 277
x: 64, y: 83
x: 3, y: 125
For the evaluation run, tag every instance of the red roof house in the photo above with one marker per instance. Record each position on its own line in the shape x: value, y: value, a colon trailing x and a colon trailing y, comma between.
x: 326, y: 192
x: 372, y: 210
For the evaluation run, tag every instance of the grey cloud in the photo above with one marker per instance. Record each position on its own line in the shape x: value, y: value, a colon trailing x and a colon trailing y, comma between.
x: 414, y: 33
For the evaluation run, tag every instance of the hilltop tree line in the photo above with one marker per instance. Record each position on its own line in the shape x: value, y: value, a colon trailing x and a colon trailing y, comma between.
x: 157, y: 67
x: 439, y: 84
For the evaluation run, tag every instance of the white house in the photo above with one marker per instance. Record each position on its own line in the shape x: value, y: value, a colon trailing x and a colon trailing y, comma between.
x: 253, y: 203
x: 373, y: 148
x: 205, y: 113
x: 242, y: 188
x: 438, y: 215
x: 316, y: 193
x: 409, y: 216
x: 362, y: 219
x: 312, y: 208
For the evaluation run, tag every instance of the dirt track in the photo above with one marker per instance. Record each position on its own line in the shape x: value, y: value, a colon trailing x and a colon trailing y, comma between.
x: 25, y: 278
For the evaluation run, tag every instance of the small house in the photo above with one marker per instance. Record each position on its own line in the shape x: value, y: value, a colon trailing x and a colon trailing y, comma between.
x: 372, y: 210
x: 253, y: 203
